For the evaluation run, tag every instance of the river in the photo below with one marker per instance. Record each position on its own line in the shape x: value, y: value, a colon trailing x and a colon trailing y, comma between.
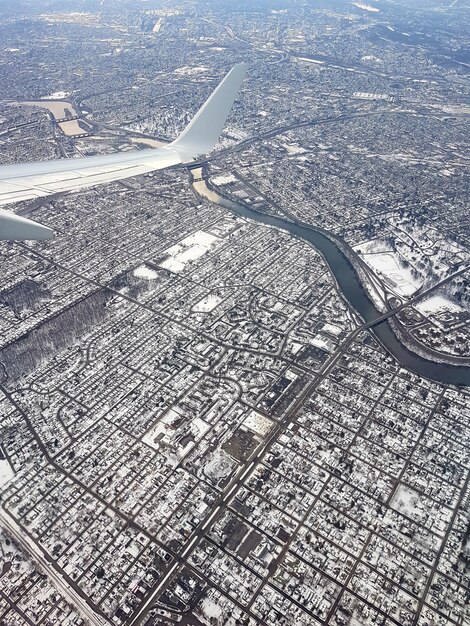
x: 350, y: 286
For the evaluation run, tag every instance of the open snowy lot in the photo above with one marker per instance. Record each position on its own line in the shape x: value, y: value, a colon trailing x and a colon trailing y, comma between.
x: 6, y: 473
x: 437, y: 304
x: 187, y: 250
x: 207, y: 304
x: 388, y: 267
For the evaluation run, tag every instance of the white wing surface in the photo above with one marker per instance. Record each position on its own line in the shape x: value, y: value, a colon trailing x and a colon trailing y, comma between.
x: 27, y: 181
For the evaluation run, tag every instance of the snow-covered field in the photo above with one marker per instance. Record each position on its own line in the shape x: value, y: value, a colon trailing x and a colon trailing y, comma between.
x: 320, y: 341
x: 161, y: 428
x: 258, y: 423
x: 399, y: 278
x: 366, y: 7
x: 224, y: 179
x: 207, y: 304
x: 211, y: 610
x: 406, y: 501
x: 437, y: 304
x: 332, y: 329
x: 6, y: 473
x: 292, y: 148
x: 189, y: 71
x: 143, y: 271
x: 158, y: 25
x: 219, y: 465
x: 187, y: 250
x: 57, y: 95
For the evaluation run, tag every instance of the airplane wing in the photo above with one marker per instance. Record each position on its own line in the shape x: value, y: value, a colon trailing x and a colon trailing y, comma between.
x: 27, y: 181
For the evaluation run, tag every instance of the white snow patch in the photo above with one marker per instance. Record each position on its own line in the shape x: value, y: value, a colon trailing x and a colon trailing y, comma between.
x: 293, y: 148
x: 162, y: 429
x: 332, y: 329
x: 187, y: 250
x: 399, y: 278
x: 457, y: 109
x: 224, y: 179
x: 365, y: 7
x: 437, y: 304
x: 316, y: 61
x: 320, y: 341
x: 188, y: 71
x: 407, y: 501
x: 143, y: 271
x: 210, y: 609
x: 258, y: 423
x: 207, y: 304
x: 158, y: 25
x: 295, y: 347
x: 219, y: 465
x: 371, y: 58
x: 6, y: 473
x: 57, y: 95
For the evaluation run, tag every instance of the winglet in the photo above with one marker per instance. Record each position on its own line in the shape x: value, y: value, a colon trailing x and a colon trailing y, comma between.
x: 16, y: 228
x: 204, y: 130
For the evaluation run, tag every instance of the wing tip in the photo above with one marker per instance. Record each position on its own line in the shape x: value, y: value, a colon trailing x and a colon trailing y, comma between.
x: 16, y: 228
x: 203, y: 131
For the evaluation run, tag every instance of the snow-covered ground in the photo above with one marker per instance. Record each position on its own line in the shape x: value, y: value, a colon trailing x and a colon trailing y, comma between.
x: 57, y: 95
x: 258, y: 423
x: 187, y: 250
x: 332, y: 329
x: 219, y: 465
x: 143, y: 271
x: 147, y: 141
x: 293, y: 148
x: 406, y: 501
x: 224, y: 179
x: 399, y: 278
x: 320, y: 341
x: 207, y: 304
x: 437, y: 304
x: 158, y: 25
x: 371, y: 58
x: 6, y: 473
x: 306, y: 60
x: 189, y: 71
x: 161, y: 429
x: 366, y: 7
x: 211, y: 610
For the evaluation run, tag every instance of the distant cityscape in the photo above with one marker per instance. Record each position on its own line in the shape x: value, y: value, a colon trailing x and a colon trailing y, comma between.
x: 236, y: 393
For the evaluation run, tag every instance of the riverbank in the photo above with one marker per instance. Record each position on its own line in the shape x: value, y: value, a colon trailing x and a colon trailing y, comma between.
x: 412, y: 356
